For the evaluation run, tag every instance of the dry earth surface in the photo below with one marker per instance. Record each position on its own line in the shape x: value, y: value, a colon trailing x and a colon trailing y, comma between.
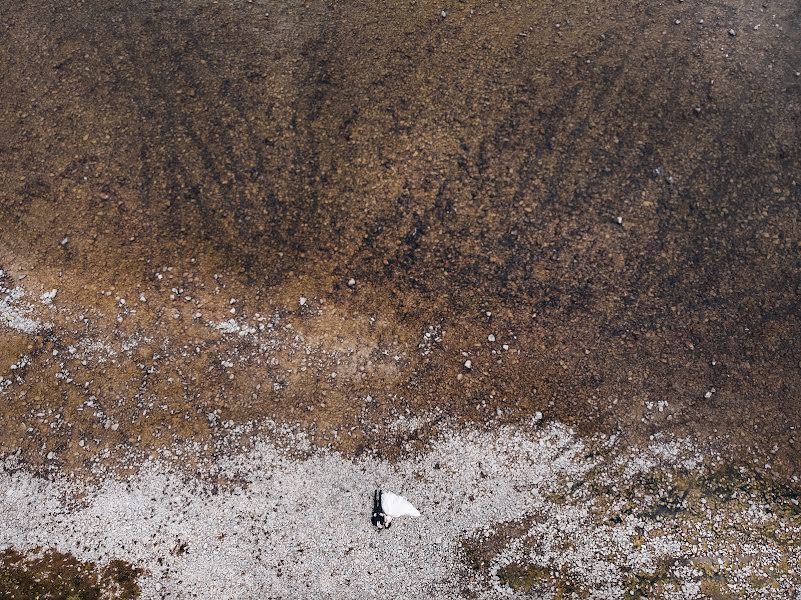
x: 253, y: 241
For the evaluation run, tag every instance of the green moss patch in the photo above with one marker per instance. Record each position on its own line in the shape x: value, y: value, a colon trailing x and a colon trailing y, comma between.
x: 51, y: 575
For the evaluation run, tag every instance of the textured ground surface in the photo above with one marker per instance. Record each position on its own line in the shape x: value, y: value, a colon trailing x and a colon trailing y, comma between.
x: 527, y: 511
x: 333, y: 215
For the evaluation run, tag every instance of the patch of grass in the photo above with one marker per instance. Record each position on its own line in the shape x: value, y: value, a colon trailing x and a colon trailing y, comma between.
x: 51, y: 575
x: 716, y: 589
x: 525, y: 578
x: 648, y: 584
x: 537, y: 579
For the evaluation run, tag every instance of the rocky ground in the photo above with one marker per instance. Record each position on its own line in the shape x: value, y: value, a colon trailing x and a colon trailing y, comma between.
x: 381, y: 227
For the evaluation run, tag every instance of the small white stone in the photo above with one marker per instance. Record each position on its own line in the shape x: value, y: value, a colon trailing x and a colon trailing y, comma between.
x: 47, y: 297
x: 51, y: 455
x: 351, y: 282
x: 444, y: 14
x: 490, y: 338
x: 505, y: 346
x: 619, y: 220
x: 302, y: 301
x: 468, y: 364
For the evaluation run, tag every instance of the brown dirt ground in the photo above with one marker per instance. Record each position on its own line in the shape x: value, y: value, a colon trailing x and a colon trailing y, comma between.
x: 453, y: 166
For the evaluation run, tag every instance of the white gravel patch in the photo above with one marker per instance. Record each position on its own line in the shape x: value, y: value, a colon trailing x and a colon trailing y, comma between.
x: 287, y: 527
x: 13, y: 312
x: 294, y: 527
x: 232, y: 327
x: 47, y: 297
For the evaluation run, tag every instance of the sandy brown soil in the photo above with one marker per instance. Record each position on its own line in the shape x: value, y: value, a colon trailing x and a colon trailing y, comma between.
x: 611, y: 189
